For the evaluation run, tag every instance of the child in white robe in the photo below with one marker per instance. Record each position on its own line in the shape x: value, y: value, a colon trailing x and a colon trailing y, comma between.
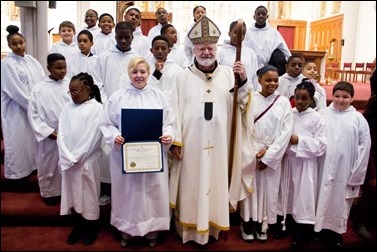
x: 112, y: 62
x: 47, y: 99
x: 188, y: 46
x: 227, y: 55
x: 67, y: 47
x: 293, y: 76
x: 176, y: 54
x: 273, y: 123
x: 140, y: 43
x: 299, y: 178
x: 19, y: 73
x: 343, y: 168
x: 319, y: 101
x: 79, y: 142
x: 106, y: 38
x: 140, y: 201
x: 164, y: 71
x: 87, y: 62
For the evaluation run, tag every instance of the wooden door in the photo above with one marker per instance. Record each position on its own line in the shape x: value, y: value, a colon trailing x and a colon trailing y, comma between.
x: 288, y: 34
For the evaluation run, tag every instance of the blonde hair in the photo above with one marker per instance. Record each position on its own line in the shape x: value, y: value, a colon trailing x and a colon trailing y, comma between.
x: 136, y: 61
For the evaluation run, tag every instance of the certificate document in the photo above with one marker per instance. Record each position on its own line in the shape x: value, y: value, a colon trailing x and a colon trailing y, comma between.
x: 142, y: 157
x: 142, y: 151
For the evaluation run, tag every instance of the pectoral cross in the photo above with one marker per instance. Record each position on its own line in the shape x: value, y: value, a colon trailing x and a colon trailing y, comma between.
x: 208, y: 147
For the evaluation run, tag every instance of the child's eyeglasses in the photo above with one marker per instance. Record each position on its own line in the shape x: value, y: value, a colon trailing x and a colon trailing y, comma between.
x: 74, y: 93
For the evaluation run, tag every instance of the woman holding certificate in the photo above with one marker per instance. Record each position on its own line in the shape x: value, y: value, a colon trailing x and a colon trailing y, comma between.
x: 140, y: 194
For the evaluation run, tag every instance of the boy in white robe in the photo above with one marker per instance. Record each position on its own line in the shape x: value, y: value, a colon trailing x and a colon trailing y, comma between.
x: 140, y: 43
x: 320, y: 101
x: 343, y: 168
x: 227, y: 55
x: 67, y: 47
x: 267, y: 42
x: 140, y: 201
x: 299, y: 178
x: 19, y: 73
x: 164, y: 71
x: 176, y: 53
x: 112, y: 62
x: 79, y: 142
x: 199, y: 175
x: 273, y: 123
x: 47, y: 99
x: 293, y: 76
x: 105, y: 39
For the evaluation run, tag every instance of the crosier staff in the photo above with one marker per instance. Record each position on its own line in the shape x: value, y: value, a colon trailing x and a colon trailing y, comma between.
x: 237, y: 82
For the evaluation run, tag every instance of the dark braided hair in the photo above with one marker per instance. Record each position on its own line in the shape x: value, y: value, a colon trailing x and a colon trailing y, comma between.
x: 87, y: 80
x: 306, y: 84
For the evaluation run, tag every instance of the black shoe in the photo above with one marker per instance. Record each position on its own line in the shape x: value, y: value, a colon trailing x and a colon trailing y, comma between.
x: 91, y: 228
x: 89, y: 237
x: 51, y: 201
x: 296, y: 239
x: 75, y: 235
x: 337, y: 240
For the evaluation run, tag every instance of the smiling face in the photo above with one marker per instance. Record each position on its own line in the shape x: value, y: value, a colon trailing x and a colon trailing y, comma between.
x: 139, y: 75
x: 269, y: 82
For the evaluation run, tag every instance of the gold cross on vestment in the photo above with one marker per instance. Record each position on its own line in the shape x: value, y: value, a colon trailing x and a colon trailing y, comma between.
x: 208, y: 147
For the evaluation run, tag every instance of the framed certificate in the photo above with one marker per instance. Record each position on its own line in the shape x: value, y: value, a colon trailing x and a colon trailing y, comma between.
x: 142, y: 151
x: 142, y: 157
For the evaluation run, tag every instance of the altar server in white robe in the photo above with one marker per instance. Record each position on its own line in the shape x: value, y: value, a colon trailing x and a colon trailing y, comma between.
x: 177, y: 54
x: 86, y: 62
x: 19, y: 73
x: 79, y: 142
x: 267, y: 42
x: 105, y: 39
x: 164, y: 70
x: 46, y: 102
x: 273, y: 123
x: 204, y: 106
x: 140, y: 201
x: 343, y: 168
x: 188, y: 46
x: 113, y: 61
x: 299, y: 175
x: 227, y: 55
x: 293, y: 76
x: 320, y: 100
x: 140, y: 43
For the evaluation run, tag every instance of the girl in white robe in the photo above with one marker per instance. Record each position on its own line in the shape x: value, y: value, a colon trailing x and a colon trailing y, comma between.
x: 188, y: 46
x: 343, y: 168
x: 140, y: 201
x: 270, y: 139
x: 46, y: 102
x: 79, y: 142
x: 299, y: 178
x: 19, y: 73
